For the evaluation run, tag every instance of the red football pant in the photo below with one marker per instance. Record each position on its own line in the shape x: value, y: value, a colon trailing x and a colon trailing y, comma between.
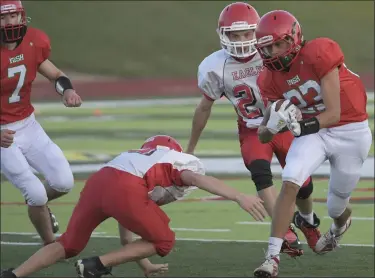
x: 252, y: 149
x: 124, y: 197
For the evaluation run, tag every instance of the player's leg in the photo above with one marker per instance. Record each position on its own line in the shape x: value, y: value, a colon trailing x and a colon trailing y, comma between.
x: 257, y: 159
x: 349, y: 146
x: 18, y: 172
x: 295, y: 173
x: 304, y: 219
x: 48, y: 159
x: 135, y: 212
x: 86, y: 216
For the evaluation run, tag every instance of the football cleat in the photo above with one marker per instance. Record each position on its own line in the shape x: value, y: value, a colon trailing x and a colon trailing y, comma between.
x: 311, y: 232
x: 270, y: 268
x: 8, y: 273
x: 329, y: 241
x: 88, y: 268
x: 291, y: 245
x: 54, y: 222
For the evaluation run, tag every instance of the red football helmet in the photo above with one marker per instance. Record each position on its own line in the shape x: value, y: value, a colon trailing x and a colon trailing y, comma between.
x: 237, y: 17
x: 162, y: 140
x: 11, y: 33
x: 273, y: 27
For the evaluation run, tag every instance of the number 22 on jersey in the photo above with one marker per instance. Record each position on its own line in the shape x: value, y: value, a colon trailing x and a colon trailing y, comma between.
x: 21, y: 71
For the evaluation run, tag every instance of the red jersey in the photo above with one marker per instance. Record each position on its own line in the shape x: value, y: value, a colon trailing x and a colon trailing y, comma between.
x: 18, y: 71
x: 301, y: 84
x: 161, y: 170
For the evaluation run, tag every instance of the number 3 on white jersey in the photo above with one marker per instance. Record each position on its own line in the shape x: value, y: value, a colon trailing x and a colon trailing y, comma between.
x: 20, y: 69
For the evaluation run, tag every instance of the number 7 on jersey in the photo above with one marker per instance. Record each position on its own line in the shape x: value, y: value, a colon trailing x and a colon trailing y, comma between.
x: 21, y: 70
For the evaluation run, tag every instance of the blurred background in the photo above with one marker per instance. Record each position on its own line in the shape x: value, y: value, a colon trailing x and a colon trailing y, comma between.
x: 135, y: 64
x: 134, y: 39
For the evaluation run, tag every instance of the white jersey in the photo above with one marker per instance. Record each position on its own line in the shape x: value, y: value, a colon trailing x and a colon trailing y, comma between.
x: 219, y: 75
x: 161, y: 169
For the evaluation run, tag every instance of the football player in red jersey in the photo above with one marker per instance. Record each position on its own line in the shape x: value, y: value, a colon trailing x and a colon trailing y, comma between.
x: 24, y: 52
x: 232, y: 72
x: 131, y: 188
x: 312, y: 76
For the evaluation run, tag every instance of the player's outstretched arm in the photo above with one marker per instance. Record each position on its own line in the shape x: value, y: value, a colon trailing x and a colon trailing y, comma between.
x: 63, y: 84
x: 251, y: 204
x: 201, y: 115
x: 148, y: 268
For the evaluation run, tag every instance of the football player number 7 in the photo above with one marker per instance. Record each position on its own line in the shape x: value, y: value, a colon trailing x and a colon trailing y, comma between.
x: 21, y: 70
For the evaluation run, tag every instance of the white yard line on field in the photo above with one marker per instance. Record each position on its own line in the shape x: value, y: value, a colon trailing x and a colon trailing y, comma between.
x: 16, y: 243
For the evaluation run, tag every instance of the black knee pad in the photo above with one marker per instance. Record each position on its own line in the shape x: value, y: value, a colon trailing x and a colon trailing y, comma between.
x: 261, y: 174
x: 306, y: 191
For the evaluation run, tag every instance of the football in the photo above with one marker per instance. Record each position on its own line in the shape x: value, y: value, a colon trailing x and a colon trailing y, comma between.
x: 280, y: 102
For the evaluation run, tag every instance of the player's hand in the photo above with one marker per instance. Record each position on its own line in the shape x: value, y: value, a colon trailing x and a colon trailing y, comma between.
x: 7, y: 137
x: 253, y: 205
x: 71, y: 98
x: 275, y: 123
x: 155, y: 269
x: 264, y: 135
x: 292, y: 123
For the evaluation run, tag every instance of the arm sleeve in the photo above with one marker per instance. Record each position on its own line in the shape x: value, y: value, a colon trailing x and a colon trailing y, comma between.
x: 210, y: 84
x: 185, y: 162
x: 328, y: 55
x: 180, y: 162
x: 44, y: 48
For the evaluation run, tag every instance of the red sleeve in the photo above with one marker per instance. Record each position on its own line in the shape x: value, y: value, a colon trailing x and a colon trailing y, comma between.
x: 328, y: 55
x: 176, y: 177
x: 266, y: 87
x: 208, y: 97
x: 44, y: 47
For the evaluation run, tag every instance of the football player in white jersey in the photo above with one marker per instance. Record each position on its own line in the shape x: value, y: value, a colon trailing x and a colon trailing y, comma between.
x: 232, y: 72
x: 130, y: 189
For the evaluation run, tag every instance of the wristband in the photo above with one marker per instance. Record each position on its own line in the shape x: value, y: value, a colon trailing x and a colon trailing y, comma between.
x: 309, y: 126
x: 62, y: 83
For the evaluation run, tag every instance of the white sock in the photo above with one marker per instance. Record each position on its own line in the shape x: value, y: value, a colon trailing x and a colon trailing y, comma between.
x: 308, y: 217
x: 274, y: 247
x: 337, y: 231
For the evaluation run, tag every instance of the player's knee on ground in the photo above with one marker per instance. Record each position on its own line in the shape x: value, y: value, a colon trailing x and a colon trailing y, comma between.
x: 62, y: 181
x: 165, y: 246
x: 306, y: 190
x: 337, y: 203
x: 72, y: 244
x: 261, y: 174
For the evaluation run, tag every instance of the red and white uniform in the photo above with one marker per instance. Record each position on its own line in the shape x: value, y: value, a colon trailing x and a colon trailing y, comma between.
x: 161, y: 170
x: 345, y: 145
x: 18, y: 71
x: 130, y: 189
x: 222, y: 75
x: 32, y: 146
x: 301, y: 84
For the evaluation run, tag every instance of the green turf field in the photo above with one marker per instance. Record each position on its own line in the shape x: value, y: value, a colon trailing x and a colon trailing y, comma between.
x: 204, y: 257
x: 170, y: 38
x: 118, y: 129
x: 203, y: 229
